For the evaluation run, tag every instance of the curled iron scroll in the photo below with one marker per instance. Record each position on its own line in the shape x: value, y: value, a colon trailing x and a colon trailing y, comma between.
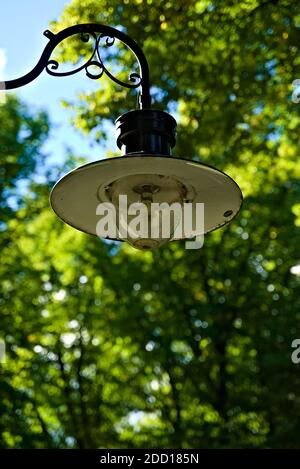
x: 94, y: 67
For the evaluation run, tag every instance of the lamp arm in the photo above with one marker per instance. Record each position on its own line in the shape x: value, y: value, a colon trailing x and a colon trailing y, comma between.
x: 94, y: 66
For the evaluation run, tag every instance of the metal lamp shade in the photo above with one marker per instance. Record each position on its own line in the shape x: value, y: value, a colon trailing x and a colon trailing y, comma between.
x: 75, y: 196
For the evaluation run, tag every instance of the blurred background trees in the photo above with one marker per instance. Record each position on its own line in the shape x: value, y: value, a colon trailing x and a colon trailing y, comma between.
x: 111, y: 347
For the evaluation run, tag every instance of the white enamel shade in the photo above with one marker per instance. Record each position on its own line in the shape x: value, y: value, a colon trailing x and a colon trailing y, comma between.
x: 75, y: 196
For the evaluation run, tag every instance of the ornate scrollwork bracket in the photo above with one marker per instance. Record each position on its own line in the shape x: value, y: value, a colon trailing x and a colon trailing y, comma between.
x: 94, y: 66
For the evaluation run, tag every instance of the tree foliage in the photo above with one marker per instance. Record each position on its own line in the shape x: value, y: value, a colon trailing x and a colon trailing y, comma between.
x: 111, y: 347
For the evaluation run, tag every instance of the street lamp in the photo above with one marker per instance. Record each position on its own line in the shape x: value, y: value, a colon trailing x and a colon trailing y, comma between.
x: 146, y: 172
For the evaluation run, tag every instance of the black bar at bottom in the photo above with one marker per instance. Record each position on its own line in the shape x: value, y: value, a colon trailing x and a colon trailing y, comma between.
x: 137, y: 458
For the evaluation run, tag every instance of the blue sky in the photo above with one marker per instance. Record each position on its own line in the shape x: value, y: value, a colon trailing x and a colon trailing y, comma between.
x: 22, y: 24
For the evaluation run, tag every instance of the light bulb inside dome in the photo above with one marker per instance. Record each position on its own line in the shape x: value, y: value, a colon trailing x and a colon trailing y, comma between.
x: 148, y: 208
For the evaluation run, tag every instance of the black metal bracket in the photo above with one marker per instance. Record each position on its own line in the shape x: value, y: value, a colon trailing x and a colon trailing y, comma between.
x: 96, y: 32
